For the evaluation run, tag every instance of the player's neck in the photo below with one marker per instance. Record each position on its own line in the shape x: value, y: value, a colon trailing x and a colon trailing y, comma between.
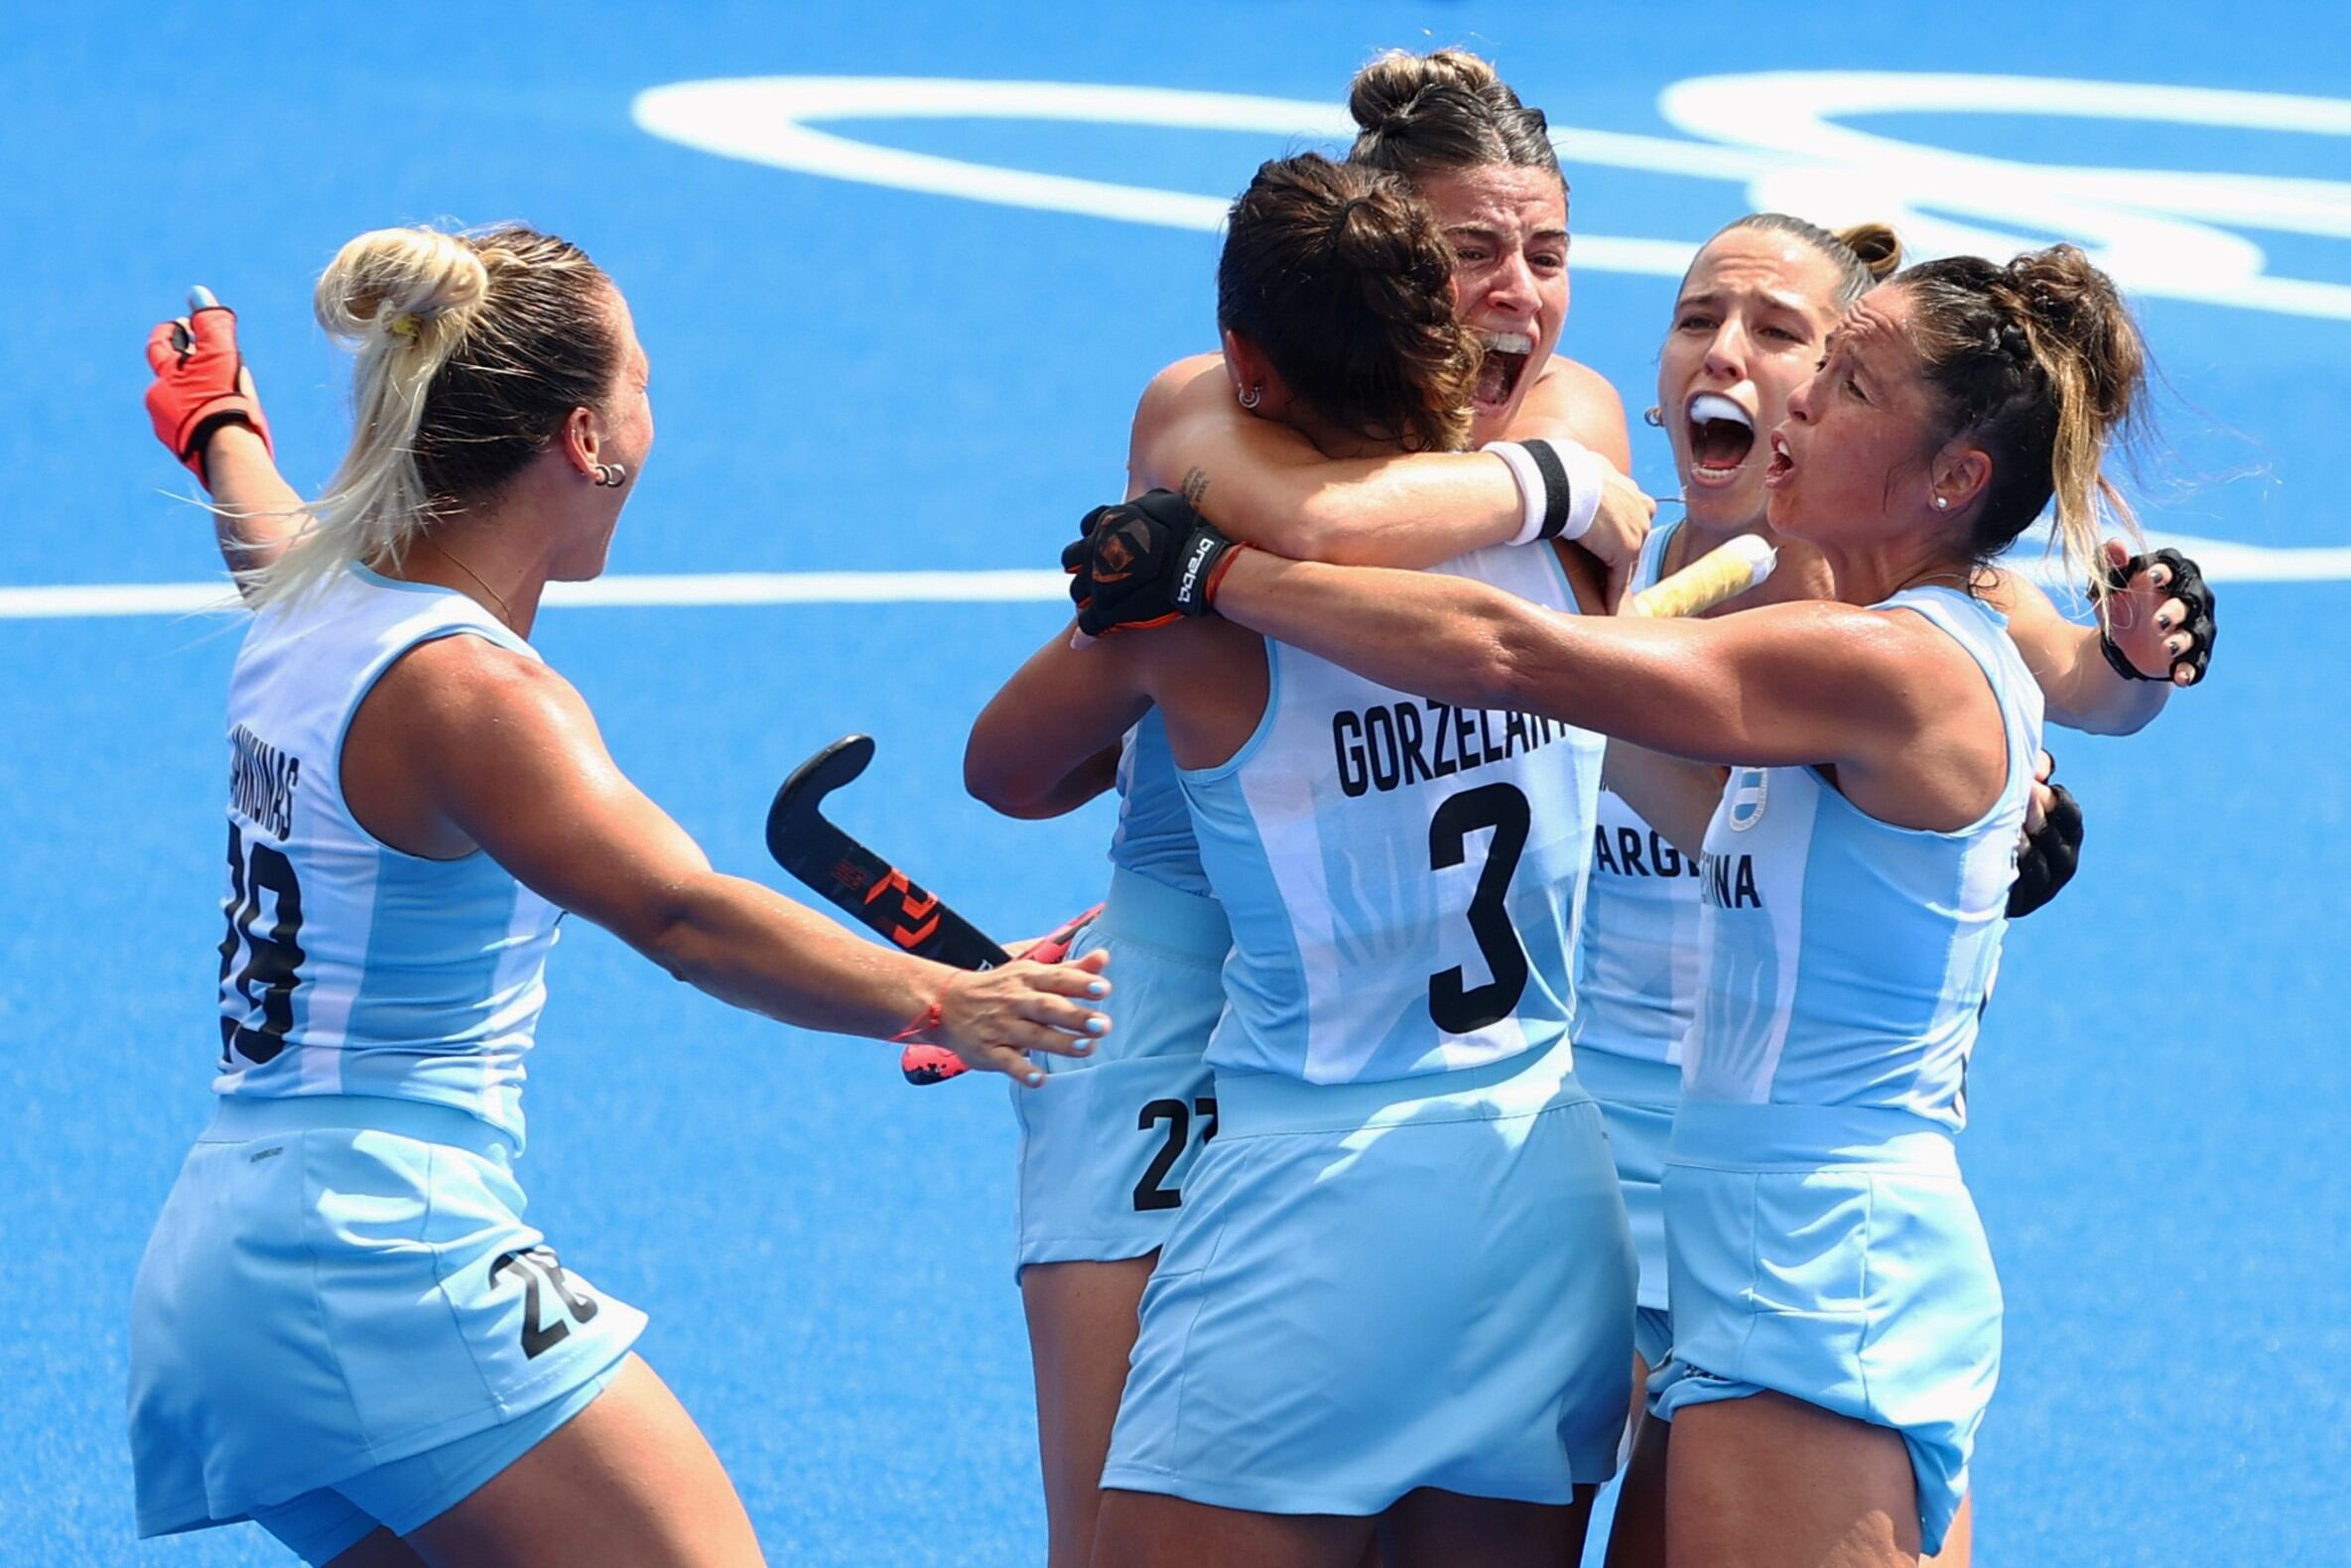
x: 491, y: 556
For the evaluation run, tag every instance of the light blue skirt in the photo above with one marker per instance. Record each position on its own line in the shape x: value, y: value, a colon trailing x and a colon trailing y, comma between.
x: 1637, y: 1100
x: 1833, y: 1255
x: 1377, y: 1287
x: 337, y: 1283
x: 1108, y: 1141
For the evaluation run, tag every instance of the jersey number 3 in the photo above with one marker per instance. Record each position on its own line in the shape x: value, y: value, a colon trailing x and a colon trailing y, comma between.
x: 273, y: 953
x: 1456, y: 1007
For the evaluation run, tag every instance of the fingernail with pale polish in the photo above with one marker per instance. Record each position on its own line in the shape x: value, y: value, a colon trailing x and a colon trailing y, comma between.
x: 1097, y: 1024
x: 1034, y: 1079
x: 1097, y: 989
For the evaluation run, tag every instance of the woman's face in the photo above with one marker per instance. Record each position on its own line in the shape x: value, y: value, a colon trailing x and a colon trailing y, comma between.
x: 1853, y: 462
x: 1508, y: 225
x: 1747, y: 332
x: 624, y: 431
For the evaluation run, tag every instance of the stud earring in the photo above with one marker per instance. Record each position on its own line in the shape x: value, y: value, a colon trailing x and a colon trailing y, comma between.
x: 1943, y: 503
x: 1654, y: 415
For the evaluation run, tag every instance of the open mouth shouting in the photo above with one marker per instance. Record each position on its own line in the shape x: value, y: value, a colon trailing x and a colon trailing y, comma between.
x: 1783, y: 464
x: 1722, y: 434
x: 1504, y: 366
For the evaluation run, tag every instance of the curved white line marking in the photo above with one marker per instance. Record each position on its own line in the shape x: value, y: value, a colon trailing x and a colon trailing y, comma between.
x: 2161, y: 232
x: 760, y: 120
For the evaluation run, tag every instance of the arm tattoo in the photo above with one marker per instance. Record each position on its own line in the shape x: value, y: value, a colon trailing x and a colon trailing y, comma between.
x: 1195, y: 485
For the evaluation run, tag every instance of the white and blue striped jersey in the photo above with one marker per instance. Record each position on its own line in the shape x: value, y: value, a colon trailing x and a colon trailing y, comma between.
x: 348, y: 967
x: 1848, y: 959
x: 1154, y: 835
x: 1402, y: 876
x: 1636, y: 976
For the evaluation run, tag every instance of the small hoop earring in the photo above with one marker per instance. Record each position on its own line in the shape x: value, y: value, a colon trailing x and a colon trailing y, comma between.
x: 1252, y: 397
x: 610, y: 475
x: 1654, y: 415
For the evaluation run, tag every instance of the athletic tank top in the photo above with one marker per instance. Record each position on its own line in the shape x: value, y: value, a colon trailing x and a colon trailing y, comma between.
x: 1637, y: 964
x: 349, y: 968
x: 1402, y: 876
x: 1847, y: 960
x: 1154, y: 837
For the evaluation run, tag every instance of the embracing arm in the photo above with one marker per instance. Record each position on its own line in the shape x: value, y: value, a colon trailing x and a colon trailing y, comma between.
x: 1786, y: 683
x: 507, y: 755
x: 1048, y: 742
x: 1264, y: 483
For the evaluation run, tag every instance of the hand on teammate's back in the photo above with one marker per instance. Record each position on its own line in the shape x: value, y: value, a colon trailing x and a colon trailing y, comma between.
x: 2159, y: 617
x: 1618, y: 529
x: 993, y: 1018
x: 200, y: 384
x: 2051, y: 846
x: 1144, y: 563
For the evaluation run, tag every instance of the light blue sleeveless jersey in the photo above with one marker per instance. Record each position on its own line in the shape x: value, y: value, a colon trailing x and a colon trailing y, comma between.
x: 347, y: 966
x: 1847, y: 960
x: 1638, y: 963
x: 1154, y: 835
x: 1402, y: 876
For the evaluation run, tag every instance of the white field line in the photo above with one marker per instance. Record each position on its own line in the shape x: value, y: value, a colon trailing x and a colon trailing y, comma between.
x: 73, y: 601
x: 2223, y: 561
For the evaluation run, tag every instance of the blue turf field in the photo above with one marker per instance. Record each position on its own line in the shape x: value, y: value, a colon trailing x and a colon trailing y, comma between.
x: 860, y: 377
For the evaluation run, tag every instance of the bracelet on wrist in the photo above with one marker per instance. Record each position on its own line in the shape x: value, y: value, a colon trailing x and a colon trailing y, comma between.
x: 922, y: 1028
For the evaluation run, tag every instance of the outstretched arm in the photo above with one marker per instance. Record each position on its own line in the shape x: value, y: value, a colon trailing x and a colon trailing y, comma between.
x: 461, y: 737
x: 1786, y: 683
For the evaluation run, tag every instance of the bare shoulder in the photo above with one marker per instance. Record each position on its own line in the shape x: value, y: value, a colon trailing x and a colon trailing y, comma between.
x: 2016, y: 597
x: 1186, y: 385
x: 469, y: 687
x: 1571, y: 400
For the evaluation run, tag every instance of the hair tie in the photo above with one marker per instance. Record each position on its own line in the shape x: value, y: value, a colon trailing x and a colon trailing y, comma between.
x: 401, y: 324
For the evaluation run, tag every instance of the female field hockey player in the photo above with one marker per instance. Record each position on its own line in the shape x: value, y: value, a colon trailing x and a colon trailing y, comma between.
x: 1745, y: 333
x: 1388, y: 1306
x: 1106, y: 1154
x: 1835, y: 1319
x: 344, y: 1328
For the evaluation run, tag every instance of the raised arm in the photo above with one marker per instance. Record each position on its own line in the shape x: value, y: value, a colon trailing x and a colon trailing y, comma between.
x: 2149, y: 623
x: 464, y: 744
x: 206, y: 412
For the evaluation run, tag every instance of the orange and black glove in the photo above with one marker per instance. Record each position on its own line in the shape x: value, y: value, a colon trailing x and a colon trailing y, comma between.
x: 200, y: 384
x: 1144, y: 563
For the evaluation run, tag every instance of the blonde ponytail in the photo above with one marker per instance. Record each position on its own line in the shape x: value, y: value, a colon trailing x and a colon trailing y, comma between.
x: 470, y: 350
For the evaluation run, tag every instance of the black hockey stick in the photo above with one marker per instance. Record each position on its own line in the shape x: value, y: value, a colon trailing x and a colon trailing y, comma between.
x: 882, y: 898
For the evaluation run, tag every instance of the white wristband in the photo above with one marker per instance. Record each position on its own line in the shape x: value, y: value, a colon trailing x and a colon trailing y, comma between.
x: 1560, y: 483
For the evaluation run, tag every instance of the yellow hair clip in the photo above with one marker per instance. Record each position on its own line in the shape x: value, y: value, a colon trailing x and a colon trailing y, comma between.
x: 402, y: 324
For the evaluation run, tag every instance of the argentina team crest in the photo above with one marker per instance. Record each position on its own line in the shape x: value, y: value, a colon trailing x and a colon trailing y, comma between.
x: 1746, y: 793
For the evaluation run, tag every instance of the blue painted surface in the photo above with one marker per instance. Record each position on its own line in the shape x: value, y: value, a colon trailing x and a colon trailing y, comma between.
x: 856, y: 377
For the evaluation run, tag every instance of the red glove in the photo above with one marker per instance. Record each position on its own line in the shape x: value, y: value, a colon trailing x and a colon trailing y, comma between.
x: 200, y: 384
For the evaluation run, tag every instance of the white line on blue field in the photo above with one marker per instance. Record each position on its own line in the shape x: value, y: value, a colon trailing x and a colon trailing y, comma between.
x: 2223, y: 561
